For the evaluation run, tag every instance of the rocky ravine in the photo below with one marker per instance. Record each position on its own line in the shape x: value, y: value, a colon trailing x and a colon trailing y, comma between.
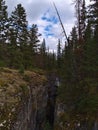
x: 23, y: 100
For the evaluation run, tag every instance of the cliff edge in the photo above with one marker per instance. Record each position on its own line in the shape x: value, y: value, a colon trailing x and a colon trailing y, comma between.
x: 23, y: 99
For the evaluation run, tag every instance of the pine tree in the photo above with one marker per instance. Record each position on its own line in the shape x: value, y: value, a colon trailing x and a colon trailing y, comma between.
x: 34, y: 38
x: 59, y: 54
x: 18, y: 24
x: 43, y: 53
x: 74, y: 38
x: 3, y: 33
x: 83, y: 18
x: 43, y: 47
x: 18, y: 36
x: 93, y: 43
x: 32, y: 47
x: 78, y: 4
x: 79, y: 72
x: 93, y: 16
x: 3, y: 21
x: 93, y: 12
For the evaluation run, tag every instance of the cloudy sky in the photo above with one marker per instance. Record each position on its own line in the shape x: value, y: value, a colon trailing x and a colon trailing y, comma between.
x: 42, y: 13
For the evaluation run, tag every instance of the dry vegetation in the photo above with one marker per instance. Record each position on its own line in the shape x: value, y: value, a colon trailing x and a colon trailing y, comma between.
x: 13, y: 89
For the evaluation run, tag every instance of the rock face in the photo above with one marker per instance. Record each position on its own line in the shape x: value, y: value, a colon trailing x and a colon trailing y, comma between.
x: 28, y: 101
x: 33, y: 110
x: 23, y: 100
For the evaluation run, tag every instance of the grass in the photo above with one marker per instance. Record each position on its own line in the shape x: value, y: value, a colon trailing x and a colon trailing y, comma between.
x: 14, y: 88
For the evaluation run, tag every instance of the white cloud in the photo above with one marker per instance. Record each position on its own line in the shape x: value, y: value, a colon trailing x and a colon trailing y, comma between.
x: 36, y: 9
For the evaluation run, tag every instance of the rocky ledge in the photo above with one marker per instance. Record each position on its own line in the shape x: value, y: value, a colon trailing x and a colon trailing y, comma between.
x: 23, y: 99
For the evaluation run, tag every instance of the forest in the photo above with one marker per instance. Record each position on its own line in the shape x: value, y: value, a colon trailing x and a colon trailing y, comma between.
x: 76, y: 65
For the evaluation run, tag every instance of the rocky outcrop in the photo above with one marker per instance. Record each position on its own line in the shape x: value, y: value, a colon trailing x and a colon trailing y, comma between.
x: 23, y: 100
x: 32, y: 113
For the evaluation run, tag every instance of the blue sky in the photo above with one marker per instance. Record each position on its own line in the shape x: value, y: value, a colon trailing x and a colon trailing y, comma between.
x: 43, y: 14
x: 52, y: 20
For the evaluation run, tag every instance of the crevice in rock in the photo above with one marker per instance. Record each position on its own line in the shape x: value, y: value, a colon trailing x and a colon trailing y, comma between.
x: 51, y: 100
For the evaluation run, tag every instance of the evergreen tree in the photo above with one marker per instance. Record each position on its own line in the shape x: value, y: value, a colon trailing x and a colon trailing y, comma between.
x: 83, y: 18
x: 54, y: 60
x: 3, y: 33
x: 79, y: 77
x: 78, y: 4
x: 33, y: 38
x: 18, y: 24
x: 43, y: 47
x: 18, y: 36
x: 93, y: 12
x: 3, y: 21
x: 51, y: 61
x: 43, y: 53
x: 93, y: 16
x: 59, y: 54
x: 88, y: 32
x: 74, y: 38
x: 32, y: 46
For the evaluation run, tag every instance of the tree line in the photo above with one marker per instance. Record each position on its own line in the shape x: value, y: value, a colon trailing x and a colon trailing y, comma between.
x: 78, y: 70
x: 20, y: 46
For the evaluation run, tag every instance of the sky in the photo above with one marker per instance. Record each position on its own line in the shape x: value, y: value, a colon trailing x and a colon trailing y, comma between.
x: 42, y: 13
